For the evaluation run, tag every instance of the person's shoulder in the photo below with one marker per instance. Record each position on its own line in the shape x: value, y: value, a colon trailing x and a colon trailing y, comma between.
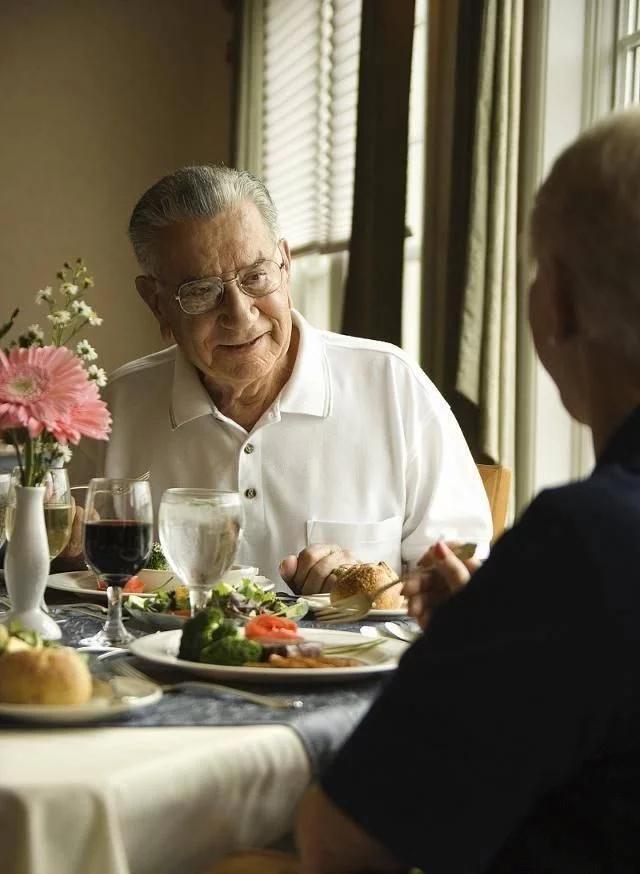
x: 147, y: 368
x: 366, y: 355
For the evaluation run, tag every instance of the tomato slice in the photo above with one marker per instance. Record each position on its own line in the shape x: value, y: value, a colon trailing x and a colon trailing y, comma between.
x: 133, y: 585
x: 266, y: 627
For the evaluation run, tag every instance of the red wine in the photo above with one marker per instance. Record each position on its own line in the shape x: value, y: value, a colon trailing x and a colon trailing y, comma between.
x: 116, y: 550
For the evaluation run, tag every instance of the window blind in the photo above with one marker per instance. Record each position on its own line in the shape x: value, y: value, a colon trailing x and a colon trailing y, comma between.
x: 310, y: 96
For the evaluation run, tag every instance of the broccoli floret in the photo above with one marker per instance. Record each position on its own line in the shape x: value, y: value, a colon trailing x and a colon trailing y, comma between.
x: 197, y: 632
x: 226, y: 629
x: 157, y: 561
x: 231, y: 651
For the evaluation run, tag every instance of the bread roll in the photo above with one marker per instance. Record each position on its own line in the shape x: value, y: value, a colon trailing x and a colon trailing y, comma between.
x: 354, y: 579
x: 52, y: 675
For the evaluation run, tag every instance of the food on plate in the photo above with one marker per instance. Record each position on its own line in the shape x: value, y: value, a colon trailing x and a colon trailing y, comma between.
x: 36, y: 672
x: 242, y: 601
x: 156, y: 560
x: 133, y: 584
x: 211, y: 638
x: 278, y: 661
x: 269, y: 627
x: 357, y: 579
x: 231, y: 650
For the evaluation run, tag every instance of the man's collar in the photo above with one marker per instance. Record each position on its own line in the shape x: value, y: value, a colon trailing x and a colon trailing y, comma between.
x: 189, y: 398
x: 307, y: 391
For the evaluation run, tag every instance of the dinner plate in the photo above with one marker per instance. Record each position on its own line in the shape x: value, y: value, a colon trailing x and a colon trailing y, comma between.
x: 162, y: 649
x: 322, y: 600
x: 119, y: 697
x: 86, y: 583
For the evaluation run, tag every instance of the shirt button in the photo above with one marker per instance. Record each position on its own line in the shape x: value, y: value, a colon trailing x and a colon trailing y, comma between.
x: 250, y: 493
x: 249, y: 448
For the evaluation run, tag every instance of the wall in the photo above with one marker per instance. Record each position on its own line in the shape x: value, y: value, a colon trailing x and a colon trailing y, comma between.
x: 98, y: 99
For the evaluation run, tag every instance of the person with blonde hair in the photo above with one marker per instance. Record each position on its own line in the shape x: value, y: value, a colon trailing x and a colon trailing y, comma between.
x: 509, y: 738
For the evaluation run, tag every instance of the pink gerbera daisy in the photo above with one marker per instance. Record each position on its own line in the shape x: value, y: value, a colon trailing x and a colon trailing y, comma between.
x: 39, y: 386
x: 88, y: 417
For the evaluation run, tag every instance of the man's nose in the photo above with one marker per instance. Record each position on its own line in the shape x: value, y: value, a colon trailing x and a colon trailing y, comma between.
x: 235, y: 303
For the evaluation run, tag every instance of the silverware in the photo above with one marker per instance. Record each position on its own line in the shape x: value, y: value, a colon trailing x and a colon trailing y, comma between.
x: 124, y: 669
x: 353, y: 608
x: 390, y: 629
x: 402, y: 632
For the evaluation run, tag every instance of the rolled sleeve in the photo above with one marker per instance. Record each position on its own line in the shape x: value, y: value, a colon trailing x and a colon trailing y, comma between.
x: 445, y: 495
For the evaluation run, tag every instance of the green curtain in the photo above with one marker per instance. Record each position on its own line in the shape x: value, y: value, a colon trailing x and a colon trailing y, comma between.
x: 486, y: 372
x: 373, y: 295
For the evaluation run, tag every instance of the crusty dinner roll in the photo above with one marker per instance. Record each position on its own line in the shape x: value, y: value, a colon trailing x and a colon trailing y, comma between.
x: 352, y: 579
x: 52, y: 675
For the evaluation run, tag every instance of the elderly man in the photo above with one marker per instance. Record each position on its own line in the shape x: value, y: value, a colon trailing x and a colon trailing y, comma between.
x: 341, y: 448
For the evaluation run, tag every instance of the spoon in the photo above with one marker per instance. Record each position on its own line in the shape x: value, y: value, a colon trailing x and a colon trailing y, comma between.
x: 402, y: 632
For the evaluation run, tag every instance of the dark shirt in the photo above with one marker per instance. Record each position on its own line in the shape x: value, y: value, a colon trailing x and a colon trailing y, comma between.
x: 509, y: 738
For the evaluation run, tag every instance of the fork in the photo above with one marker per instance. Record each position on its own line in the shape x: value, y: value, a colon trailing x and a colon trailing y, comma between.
x: 353, y: 608
x: 124, y: 669
x: 357, y: 606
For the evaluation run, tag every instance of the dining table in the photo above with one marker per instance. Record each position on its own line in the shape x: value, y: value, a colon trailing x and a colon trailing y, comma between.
x: 171, y: 788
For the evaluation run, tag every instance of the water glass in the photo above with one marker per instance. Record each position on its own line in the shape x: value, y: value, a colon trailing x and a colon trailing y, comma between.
x: 199, y: 533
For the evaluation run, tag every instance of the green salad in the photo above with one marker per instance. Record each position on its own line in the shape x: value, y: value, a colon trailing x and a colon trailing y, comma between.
x: 157, y: 561
x: 242, y: 601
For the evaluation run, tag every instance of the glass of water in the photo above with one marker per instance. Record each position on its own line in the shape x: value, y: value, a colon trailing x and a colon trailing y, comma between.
x: 199, y: 533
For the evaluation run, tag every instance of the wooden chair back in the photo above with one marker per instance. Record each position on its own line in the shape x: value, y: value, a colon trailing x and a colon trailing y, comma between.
x: 497, y: 483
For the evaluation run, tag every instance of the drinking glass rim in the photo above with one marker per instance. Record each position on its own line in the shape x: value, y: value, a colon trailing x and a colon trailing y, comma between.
x: 200, y: 493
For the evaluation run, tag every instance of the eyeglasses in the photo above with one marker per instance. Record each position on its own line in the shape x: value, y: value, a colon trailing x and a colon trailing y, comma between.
x: 258, y: 280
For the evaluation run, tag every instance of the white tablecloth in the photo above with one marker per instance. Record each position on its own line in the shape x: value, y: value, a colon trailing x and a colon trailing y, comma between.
x: 136, y: 800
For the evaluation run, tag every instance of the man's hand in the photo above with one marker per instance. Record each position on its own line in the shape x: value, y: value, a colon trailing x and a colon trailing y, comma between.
x: 440, y: 576
x: 311, y: 570
x: 331, y: 843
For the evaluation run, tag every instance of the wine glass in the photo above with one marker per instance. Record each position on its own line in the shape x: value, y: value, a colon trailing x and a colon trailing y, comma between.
x: 5, y: 494
x: 117, y: 538
x: 199, y: 533
x: 58, y: 508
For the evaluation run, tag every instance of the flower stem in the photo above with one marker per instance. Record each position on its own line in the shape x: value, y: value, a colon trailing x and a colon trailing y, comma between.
x: 14, y: 442
x: 27, y: 477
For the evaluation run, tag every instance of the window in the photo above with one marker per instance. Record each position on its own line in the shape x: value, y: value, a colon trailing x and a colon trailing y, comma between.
x: 310, y: 96
x: 627, y: 59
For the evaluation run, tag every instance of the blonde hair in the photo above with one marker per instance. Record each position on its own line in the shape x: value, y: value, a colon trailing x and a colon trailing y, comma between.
x: 586, y: 216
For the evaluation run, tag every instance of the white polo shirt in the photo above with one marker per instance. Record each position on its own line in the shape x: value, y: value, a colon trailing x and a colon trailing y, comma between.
x: 359, y: 449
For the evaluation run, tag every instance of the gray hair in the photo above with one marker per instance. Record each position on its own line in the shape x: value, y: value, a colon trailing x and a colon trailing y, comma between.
x: 587, y: 216
x: 195, y: 193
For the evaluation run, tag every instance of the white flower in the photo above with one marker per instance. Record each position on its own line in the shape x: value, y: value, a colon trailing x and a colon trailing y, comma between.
x: 97, y: 374
x: 63, y: 453
x: 69, y: 288
x: 85, y: 351
x: 59, y: 318
x: 81, y: 308
x: 95, y: 320
x: 36, y: 332
x: 45, y: 294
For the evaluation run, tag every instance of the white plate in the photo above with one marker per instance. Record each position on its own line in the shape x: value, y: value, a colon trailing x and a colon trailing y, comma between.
x: 322, y: 600
x: 162, y: 649
x: 127, y: 694
x: 85, y: 582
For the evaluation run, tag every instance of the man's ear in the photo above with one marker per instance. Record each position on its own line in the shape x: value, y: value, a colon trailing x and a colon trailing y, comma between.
x: 148, y: 291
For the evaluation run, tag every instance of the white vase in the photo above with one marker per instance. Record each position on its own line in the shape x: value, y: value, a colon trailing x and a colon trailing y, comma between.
x: 26, y: 563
